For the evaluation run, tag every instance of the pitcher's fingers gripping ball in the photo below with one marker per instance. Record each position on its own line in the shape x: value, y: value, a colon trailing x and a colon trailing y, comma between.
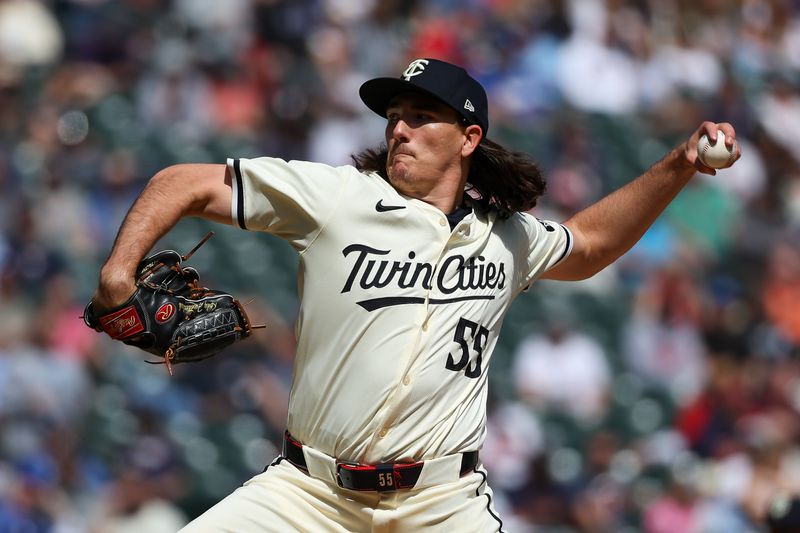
x: 716, y: 155
x: 170, y: 315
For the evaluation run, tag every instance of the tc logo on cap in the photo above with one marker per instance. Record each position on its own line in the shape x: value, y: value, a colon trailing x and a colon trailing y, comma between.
x: 414, y: 68
x: 449, y: 83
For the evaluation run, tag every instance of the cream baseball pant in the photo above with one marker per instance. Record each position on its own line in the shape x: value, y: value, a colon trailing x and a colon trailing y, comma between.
x: 285, y: 499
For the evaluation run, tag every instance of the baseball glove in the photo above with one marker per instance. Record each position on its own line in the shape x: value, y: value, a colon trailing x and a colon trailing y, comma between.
x: 170, y: 315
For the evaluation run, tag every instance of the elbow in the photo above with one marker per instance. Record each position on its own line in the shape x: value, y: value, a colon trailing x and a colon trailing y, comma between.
x: 175, y: 184
x: 594, y: 269
x: 582, y: 272
x: 598, y: 261
x: 588, y: 258
x: 172, y: 176
x: 167, y: 179
x: 198, y: 189
x: 576, y: 267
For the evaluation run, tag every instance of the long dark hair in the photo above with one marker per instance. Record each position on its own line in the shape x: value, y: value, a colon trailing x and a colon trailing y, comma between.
x: 501, y: 179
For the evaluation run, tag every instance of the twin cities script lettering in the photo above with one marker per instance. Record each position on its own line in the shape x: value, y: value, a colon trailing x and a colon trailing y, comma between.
x: 457, y: 274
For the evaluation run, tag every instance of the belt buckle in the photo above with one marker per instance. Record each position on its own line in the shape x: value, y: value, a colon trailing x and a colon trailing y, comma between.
x: 344, y: 475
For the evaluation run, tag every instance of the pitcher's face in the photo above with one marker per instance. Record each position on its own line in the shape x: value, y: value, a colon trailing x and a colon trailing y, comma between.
x: 425, y: 140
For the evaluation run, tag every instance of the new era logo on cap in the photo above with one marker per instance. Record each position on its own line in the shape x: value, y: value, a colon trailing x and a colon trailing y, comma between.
x: 449, y: 83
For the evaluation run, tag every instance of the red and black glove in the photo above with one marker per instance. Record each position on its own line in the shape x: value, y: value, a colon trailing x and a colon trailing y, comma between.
x: 170, y: 315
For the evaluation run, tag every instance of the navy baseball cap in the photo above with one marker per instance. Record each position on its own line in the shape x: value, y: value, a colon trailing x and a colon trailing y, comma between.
x: 449, y: 83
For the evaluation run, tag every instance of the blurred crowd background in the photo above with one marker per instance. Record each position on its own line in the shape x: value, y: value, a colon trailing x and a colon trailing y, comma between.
x: 660, y: 396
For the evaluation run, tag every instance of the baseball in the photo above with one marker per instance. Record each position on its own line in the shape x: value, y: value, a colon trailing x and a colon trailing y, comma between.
x: 715, y: 155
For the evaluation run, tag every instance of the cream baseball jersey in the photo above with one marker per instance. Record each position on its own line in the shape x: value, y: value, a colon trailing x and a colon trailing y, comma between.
x: 399, y: 314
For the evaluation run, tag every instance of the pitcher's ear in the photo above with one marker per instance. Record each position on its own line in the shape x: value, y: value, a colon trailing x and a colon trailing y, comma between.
x: 472, y: 137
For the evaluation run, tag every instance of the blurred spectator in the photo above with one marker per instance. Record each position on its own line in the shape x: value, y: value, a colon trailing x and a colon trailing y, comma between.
x: 58, y: 311
x: 42, y: 382
x: 30, y: 36
x: 542, y: 502
x: 708, y: 422
x: 599, y: 499
x: 514, y: 437
x: 662, y: 340
x: 562, y: 369
x: 597, y: 78
x: 775, y: 467
x: 781, y: 290
x: 706, y: 216
x: 678, y: 509
x: 175, y: 99
x: 778, y: 111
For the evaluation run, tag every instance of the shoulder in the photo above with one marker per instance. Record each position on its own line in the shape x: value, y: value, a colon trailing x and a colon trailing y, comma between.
x: 268, y: 167
x: 532, y: 224
x: 513, y: 222
x: 271, y: 161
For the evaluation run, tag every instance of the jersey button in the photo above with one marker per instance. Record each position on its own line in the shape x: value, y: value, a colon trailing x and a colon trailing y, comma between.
x: 425, y: 326
x: 442, y: 222
x: 406, y: 381
x: 383, y: 432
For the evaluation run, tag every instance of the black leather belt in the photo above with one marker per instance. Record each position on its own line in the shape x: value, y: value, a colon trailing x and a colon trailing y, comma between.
x: 385, y: 477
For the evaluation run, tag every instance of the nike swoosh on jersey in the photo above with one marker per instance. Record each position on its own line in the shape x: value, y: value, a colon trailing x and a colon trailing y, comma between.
x: 380, y: 208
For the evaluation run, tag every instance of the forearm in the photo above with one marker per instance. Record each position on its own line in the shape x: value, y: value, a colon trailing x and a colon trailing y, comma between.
x: 172, y: 194
x: 610, y: 227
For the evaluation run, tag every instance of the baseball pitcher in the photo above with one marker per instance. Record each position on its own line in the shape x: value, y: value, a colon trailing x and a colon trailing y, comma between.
x: 409, y: 260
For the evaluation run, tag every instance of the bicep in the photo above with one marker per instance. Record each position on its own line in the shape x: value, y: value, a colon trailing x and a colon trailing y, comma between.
x: 211, y: 189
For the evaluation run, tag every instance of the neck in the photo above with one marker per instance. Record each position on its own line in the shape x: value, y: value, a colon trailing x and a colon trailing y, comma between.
x: 447, y: 193
x: 446, y: 203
